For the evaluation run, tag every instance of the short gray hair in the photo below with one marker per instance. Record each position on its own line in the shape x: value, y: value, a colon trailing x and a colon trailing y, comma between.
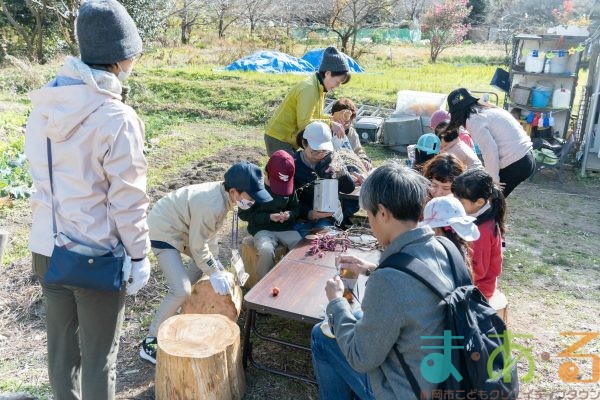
x: 396, y: 187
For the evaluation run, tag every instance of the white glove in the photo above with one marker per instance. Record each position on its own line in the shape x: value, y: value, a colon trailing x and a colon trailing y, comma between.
x: 222, y: 282
x: 140, y: 273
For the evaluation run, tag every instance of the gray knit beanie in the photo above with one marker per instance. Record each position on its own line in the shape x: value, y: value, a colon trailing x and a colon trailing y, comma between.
x: 106, y: 33
x: 333, y: 61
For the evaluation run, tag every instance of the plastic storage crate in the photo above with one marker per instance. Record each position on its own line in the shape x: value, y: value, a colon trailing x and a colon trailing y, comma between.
x: 369, y: 129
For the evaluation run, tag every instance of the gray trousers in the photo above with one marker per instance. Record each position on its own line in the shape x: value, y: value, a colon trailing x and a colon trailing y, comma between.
x: 265, y: 243
x: 273, y: 145
x: 83, y: 328
x: 180, y: 281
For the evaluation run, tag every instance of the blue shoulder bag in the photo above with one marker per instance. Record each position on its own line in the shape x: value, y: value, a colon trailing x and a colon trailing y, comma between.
x: 79, y: 265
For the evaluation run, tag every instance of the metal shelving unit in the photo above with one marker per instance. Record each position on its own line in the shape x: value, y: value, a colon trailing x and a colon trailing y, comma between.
x: 522, y: 44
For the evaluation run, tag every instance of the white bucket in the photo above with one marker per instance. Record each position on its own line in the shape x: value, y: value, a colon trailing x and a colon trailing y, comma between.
x: 561, y: 98
x: 326, y: 197
x: 558, y: 63
x: 534, y: 63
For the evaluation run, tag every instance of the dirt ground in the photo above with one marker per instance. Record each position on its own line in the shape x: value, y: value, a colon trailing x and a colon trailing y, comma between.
x: 551, y: 278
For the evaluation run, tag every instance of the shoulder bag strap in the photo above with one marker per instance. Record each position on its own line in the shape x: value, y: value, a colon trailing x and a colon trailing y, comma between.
x: 413, y: 266
x: 460, y: 272
x: 49, y: 152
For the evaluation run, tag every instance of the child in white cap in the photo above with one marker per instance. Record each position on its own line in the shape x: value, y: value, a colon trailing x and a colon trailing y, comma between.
x: 447, y: 217
x: 314, y: 161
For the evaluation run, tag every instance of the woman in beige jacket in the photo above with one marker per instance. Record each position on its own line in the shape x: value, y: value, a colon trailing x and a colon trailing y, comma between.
x: 99, y: 181
x: 188, y: 221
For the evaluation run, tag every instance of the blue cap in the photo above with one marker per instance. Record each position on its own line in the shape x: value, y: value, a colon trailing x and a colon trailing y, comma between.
x: 429, y: 143
x: 247, y: 177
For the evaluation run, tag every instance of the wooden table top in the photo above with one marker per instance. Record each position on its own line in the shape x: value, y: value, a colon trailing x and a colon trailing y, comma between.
x: 301, y: 281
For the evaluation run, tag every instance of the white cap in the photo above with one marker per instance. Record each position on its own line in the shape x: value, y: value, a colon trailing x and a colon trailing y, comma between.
x: 318, y: 136
x: 447, y: 211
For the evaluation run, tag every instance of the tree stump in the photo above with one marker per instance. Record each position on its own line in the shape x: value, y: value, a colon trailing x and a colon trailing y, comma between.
x: 499, y: 302
x: 250, y: 258
x: 199, y: 357
x: 204, y: 300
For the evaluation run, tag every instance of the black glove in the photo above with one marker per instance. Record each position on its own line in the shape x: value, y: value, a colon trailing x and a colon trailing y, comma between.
x: 322, y: 168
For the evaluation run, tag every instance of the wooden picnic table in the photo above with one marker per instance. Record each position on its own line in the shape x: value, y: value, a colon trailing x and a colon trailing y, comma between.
x: 301, y: 281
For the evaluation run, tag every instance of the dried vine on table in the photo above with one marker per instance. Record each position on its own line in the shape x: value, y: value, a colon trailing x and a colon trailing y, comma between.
x: 328, y: 242
x: 358, y: 232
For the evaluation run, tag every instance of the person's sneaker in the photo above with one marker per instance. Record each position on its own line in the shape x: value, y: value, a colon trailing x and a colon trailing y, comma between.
x: 148, y: 349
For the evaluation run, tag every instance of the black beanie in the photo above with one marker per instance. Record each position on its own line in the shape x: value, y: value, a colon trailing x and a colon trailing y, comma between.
x: 333, y: 61
x: 106, y: 33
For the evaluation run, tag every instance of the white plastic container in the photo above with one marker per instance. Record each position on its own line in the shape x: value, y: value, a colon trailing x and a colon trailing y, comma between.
x: 326, y: 195
x: 561, y: 98
x: 558, y: 63
x: 534, y: 63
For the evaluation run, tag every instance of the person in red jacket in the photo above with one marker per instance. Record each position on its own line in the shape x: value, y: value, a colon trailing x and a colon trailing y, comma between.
x: 482, y: 199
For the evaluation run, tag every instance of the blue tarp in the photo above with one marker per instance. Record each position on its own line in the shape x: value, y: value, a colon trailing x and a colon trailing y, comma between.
x: 276, y: 62
x: 314, y: 57
x: 271, y: 61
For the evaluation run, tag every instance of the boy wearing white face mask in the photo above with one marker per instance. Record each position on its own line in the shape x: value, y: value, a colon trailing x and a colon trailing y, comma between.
x: 188, y: 221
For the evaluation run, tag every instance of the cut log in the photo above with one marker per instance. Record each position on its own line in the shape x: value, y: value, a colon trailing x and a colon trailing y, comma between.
x: 499, y: 302
x: 250, y: 258
x: 199, y: 357
x: 3, y: 243
x: 204, y: 300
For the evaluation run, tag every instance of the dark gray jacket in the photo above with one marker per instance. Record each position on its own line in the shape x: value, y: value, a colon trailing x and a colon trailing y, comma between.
x: 398, y: 309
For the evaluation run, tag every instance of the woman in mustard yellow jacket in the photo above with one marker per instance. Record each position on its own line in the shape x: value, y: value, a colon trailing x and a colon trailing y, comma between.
x: 305, y: 102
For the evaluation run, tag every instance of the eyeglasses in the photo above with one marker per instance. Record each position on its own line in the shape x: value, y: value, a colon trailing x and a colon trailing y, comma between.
x: 317, y: 152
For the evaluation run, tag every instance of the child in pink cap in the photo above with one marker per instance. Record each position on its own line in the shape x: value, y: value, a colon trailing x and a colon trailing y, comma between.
x: 457, y: 142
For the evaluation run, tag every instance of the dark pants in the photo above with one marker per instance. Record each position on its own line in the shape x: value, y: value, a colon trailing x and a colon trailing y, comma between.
x: 83, y: 328
x: 273, y: 145
x: 349, y: 208
x: 517, y: 172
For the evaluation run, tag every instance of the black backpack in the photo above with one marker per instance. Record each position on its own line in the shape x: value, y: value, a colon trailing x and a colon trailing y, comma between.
x: 468, y: 315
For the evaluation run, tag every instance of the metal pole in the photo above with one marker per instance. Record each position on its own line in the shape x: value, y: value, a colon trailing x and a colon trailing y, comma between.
x: 592, y: 115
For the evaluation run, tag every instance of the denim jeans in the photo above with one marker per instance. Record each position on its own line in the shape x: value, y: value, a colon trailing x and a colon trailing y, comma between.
x: 304, y: 228
x: 336, y: 378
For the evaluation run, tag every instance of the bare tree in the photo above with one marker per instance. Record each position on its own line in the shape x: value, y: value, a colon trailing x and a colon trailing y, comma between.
x: 66, y: 14
x: 223, y: 13
x: 287, y: 13
x: 346, y: 17
x: 411, y: 9
x: 191, y: 15
x: 32, y: 35
x: 255, y: 11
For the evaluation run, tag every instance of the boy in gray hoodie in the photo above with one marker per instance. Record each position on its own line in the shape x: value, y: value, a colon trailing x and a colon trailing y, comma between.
x: 397, y: 309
